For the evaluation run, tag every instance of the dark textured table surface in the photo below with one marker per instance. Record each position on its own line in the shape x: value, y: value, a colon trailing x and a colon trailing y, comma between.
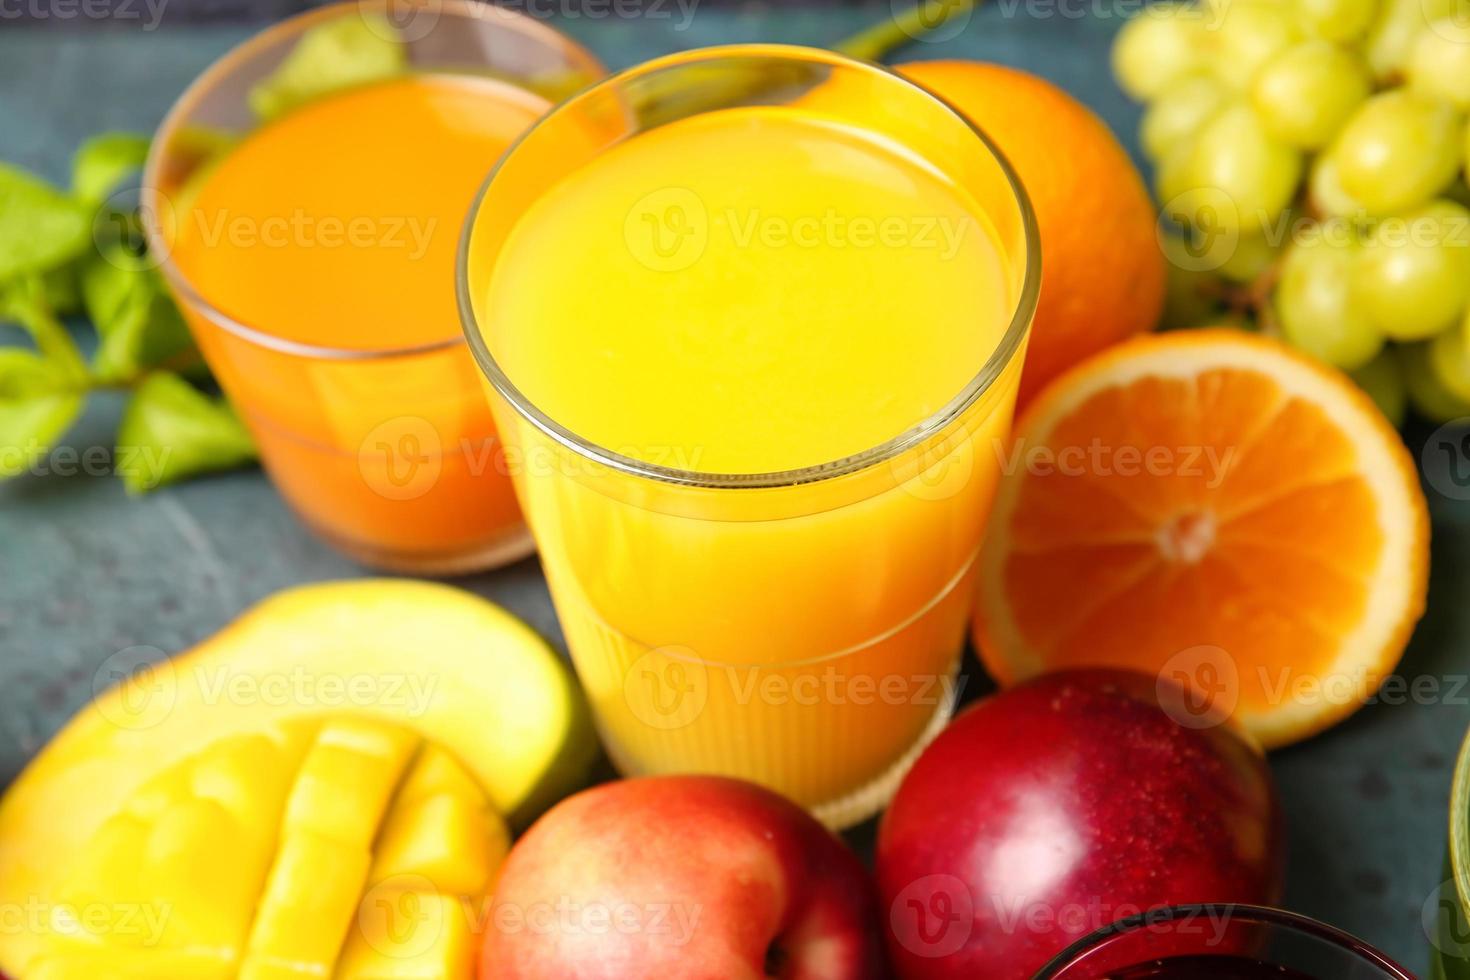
x: 86, y: 572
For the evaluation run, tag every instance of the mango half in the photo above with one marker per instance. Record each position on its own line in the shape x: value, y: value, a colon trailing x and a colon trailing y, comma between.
x: 315, y: 791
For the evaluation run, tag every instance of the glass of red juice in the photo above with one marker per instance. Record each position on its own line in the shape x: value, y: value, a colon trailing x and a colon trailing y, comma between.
x: 1220, y: 942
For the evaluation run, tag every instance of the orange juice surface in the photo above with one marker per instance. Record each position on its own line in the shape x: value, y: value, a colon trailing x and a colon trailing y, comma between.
x: 744, y: 292
x: 337, y: 226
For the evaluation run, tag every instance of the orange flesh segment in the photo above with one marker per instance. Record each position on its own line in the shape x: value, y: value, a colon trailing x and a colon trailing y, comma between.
x: 1286, y: 530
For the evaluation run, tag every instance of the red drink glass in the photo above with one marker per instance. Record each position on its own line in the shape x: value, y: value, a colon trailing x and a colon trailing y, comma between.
x: 1220, y: 942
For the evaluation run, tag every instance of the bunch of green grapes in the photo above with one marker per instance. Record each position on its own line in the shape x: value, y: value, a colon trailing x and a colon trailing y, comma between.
x: 1310, y: 156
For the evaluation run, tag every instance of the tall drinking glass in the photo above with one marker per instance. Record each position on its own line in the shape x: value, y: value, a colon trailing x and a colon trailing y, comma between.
x: 754, y: 347
x: 310, y: 243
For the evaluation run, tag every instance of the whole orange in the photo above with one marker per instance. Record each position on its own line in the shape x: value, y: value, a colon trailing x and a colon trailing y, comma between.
x: 1102, y: 268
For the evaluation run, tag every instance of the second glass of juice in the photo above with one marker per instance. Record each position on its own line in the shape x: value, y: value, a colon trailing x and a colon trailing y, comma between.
x: 752, y: 320
x: 306, y: 195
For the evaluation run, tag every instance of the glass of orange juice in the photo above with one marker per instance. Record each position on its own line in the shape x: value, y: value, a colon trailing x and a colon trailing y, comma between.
x: 305, y: 196
x: 752, y: 320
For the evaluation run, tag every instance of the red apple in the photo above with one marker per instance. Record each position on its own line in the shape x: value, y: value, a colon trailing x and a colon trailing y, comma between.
x: 1061, y: 805
x: 687, y: 877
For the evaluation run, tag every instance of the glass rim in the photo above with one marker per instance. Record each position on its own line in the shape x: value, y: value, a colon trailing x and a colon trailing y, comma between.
x: 1257, y: 914
x: 1459, y: 829
x: 228, y: 62
x: 995, y: 364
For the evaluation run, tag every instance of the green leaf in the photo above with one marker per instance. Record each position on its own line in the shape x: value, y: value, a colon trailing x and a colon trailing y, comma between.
x: 138, y: 325
x: 102, y: 163
x: 353, y: 49
x: 25, y: 301
x: 172, y: 431
x: 40, y: 227
x: 38, y: 403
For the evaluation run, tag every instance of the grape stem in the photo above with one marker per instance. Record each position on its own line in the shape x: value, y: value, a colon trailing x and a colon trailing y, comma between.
x: 1257, y: 298
x: 911, y: 25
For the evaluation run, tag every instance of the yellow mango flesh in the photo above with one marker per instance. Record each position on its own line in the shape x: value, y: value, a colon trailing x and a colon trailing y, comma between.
x: 342, y: 847
x: 456, y: 671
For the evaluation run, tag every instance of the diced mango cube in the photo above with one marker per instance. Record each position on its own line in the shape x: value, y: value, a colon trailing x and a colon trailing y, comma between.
x: 436, y: 771
x: 410, y: 936
x: 347, y: 779
x: 309, y: 902
x: 445, y: 839
x: 202, y: 868
x: 250, y: 775
x: 369, y: 737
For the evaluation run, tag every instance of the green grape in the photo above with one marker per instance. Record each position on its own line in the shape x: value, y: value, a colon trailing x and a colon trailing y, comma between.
x: 1343, y: 21
x: 1231, y: 177
x: 1316, y: 302
x: 1178, y: 113
x: 1247, y: 35
x: 1252, y: 256
x: 1427, y: 393
x: 1394, y: 31
x: 1414, y: 272
x: 1324, y: 190
x: 1438, y: 64
x: 1162, y: 44
x: 1306, y: 93
x: 1192, y: 294
x: 1449, y: 360
x: 1383, y: 380
x: 1398, y: 150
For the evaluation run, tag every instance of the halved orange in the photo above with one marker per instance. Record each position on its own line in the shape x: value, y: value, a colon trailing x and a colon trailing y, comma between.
x: 1213, y: 507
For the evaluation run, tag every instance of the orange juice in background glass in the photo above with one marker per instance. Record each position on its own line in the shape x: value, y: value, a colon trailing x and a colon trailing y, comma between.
x: 754, y: 347
x: 310, y: 243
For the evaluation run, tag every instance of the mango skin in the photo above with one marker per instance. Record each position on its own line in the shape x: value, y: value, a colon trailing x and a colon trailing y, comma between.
x: 449, y: 665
